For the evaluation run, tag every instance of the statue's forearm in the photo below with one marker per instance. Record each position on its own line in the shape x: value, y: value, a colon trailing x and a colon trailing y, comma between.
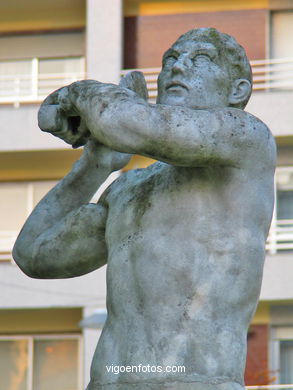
x: 125, y: 124
x: 76, y: 189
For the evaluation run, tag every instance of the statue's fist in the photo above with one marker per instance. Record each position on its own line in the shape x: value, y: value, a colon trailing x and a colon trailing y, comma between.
x: 104, y: 157
x: 57, y: 115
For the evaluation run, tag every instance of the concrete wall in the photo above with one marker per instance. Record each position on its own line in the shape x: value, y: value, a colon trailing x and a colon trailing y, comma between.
x: 275, y: 109
x: 19, y: 130
x: 104, y: 40
x: 20, y: 291
x: 42, y: 45
x: 277, y: 280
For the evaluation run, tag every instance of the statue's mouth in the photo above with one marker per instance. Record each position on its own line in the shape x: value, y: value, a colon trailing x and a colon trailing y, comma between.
x: 176, y: 85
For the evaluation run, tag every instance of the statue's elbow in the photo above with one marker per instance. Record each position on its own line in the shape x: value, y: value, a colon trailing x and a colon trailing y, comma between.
x: 24, y: 261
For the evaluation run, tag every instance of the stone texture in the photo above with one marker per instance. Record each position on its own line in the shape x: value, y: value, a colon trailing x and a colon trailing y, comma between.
x: 184, y: 238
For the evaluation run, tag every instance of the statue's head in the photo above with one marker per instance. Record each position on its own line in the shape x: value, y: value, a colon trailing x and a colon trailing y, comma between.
x: 205, y: 68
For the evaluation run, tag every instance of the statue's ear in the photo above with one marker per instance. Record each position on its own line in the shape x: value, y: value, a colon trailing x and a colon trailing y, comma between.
x: 241, y: 90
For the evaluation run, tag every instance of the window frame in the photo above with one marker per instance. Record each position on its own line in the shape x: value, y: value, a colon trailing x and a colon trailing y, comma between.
x: 30, y: 340
x: 277, y: 335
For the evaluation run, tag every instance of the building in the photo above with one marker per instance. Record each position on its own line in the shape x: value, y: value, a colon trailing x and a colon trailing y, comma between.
x: 47, y: 44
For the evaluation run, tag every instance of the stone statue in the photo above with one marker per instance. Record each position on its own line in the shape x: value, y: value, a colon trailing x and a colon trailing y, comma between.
x: 184, y: 239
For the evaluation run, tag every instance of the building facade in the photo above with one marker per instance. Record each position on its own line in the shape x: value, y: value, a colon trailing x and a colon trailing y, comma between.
x: 49, y: 328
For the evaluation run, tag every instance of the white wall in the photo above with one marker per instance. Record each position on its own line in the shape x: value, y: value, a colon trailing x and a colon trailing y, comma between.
x: 275, y: 109
x: 42, y: 45
x: 104, y: 40
x: 20, y: 291
x: 19, y: 130
x: 278, y: 277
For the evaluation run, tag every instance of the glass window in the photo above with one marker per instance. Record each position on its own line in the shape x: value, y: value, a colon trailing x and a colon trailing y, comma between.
x: 286, y: 361
x: 61, y: 65
x: 16, y: 203
x: 40, y: 363
x: 14, y: 364
x: 15, y: 78
x: 282, y: 32
x: 13, y: 205
x: 55, y: 365
x: 284, y: 179
x: 54, y: 73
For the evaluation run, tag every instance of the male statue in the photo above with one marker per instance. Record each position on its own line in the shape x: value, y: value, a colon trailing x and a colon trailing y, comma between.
x: 184, y: 239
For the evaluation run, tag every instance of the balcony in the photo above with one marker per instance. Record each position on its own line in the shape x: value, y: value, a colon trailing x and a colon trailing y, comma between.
x: 280, y: 239
x: 27, y: 81
x: 268, y: 75
x: 30, y: 81
x: 7, y: 239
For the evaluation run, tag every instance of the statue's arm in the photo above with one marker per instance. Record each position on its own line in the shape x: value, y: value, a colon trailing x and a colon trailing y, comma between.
x: 64, y: 235
x: 118, y: 118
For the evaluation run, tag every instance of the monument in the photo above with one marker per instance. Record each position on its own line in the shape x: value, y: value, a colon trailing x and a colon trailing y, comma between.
x: 184, y: 239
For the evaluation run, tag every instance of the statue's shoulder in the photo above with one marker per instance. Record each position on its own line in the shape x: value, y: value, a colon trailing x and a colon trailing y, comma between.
x: 244, y: 119
x: 130, y: 179
x: 253, y: 134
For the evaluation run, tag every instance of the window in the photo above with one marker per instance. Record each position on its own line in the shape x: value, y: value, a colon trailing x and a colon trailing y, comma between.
x: 286, y: 361
x: 281, y: 51
x: 33, y: 79
x: 16, y: 203
x: 20, y: 83
x: 282, y: 353
x: 281, y: 34
x: 40, y: 363
x: 281, y: 232
x: 56, y: 72
x: 284, y: 201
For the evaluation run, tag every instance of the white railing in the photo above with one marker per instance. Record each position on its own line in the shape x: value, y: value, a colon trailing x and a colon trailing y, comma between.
x: 7, y: 239
x: 267, y: 74
x: 151, y: 76
x: 280, y: 239
x: 270, y: 387
x: 281, y: 236
x: 272, y: 74
x: 34, y: 86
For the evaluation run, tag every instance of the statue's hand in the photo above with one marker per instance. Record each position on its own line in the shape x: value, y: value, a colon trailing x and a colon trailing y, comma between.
x: 57, y: 115
x: 64, y: 112
x: 104, y: 157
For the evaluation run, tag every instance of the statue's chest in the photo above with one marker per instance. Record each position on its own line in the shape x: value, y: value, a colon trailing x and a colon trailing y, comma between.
x: 161, y: 194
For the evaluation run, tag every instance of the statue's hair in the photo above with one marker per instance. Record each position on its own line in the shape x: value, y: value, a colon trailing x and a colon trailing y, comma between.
x: 230, y: 53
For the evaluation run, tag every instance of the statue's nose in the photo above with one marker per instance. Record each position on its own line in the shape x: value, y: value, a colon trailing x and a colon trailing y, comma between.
x: 180, y: 64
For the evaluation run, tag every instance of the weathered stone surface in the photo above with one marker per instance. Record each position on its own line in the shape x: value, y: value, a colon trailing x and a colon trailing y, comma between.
x: 184, y: 238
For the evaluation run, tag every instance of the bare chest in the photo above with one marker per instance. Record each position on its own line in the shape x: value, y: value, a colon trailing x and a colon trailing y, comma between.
x: 186, y: 199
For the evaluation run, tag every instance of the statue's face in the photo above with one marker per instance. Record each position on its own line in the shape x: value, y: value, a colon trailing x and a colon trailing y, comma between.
x: 194, y: 76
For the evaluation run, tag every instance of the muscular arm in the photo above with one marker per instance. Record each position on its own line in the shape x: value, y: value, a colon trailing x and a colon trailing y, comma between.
x: 64, y: 235
x: 121, y: 120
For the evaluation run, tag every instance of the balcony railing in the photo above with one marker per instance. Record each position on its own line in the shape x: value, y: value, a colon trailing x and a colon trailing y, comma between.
x: 33, y: 85
x: 281, y: 236
x: 280, y: 239
x: 7, y: 239
x: 270, y: 387
x: 267, y: 75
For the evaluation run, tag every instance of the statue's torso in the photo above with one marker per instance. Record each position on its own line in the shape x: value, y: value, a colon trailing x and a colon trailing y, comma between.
x: 186, y: 251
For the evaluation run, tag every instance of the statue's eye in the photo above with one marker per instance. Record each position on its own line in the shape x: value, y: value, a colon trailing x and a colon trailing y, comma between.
x: 170, y: 59
x: 202, y: 56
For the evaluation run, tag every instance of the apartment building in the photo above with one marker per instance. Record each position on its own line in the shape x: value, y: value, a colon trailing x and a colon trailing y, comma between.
x: 49, y: 328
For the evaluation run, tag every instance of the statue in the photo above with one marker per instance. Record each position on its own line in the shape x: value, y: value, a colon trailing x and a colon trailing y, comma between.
x: 184, y: 239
